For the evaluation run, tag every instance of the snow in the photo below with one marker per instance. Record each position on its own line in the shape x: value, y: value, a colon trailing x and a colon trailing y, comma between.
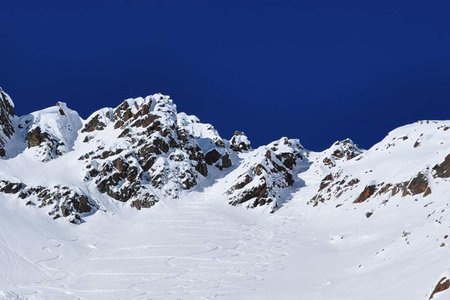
x: 199, y: 247
x: 194, y: 245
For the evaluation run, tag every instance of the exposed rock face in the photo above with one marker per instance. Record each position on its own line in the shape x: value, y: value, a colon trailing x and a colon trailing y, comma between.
x: 239, y: 142
x: 138, y: 152
x: 442, y: 285
x: 442, y: 170
x: 377, y: 173
x: 96, y: 123
x: 6, y: 120
x: 143, y: 151
x: 262, y: 178
x: 63, y: 201
x: 419, y: 185
x: 35, y: 137
x: 340, y: 151
x: 336, y: 184
x: 154, y: 152
x: 366, y: 193
x: 212, y: 157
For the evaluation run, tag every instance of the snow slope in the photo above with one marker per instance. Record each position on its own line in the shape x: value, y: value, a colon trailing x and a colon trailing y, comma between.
x: 344, y: 223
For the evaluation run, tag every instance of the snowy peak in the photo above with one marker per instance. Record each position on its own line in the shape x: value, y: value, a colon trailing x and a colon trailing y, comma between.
x: 144, y: 151
x: 340, y: 151
x: 344, y: 215
x: 50, y: 132
x: 239, y: 142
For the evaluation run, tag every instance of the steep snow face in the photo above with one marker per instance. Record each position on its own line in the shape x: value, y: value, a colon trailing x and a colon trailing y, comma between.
x: 50, y: 132
x: 6, y: 120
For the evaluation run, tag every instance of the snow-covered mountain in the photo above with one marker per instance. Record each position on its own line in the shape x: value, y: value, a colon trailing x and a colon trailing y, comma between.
x: 344, y: 223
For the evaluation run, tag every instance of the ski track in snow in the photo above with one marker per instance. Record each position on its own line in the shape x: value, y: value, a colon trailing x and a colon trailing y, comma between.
x: 185, y: 252
x: 198, y: 247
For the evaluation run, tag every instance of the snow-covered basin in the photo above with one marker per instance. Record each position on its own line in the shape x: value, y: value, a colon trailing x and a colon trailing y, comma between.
x: 198, y: 247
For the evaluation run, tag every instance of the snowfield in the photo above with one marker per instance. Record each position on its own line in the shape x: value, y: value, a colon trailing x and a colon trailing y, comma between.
x: 198, y: 247
x: 134, y: 203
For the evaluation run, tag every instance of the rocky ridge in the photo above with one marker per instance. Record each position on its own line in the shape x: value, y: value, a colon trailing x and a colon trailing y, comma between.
x: 144, y: 151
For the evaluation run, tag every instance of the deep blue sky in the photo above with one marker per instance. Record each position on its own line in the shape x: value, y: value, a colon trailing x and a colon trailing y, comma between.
x: 314, y: 70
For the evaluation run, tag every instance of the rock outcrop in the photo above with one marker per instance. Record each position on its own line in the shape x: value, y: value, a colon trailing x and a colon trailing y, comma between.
x: 239, y: 142
x: 442, y: 285
x: 7, y: 114
x: 442, y: 170
x: 144, y: 151
x: 340, y: 151
x: 262, y: 177
x: 151, y: 152
x: 62, y: 201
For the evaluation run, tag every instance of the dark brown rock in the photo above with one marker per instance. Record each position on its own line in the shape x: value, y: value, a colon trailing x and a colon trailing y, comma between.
x: 120, y: 165
x: 338, y: 154
x: 149, y: 120
x: 257, y: 192
x: 35, y: 137
x: 442, y: 170
x: 365, y: 194
x: 326, y: 181
x: 144, y: 203
x: 212, y: 157
x: 94, y: 124
x: 226, y: 161
x: 442, y: 285
x: 11, y: 187
x: 202, y: 168
x: 328, y: 162
x: 418, y: 185
x: 242, y: 182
